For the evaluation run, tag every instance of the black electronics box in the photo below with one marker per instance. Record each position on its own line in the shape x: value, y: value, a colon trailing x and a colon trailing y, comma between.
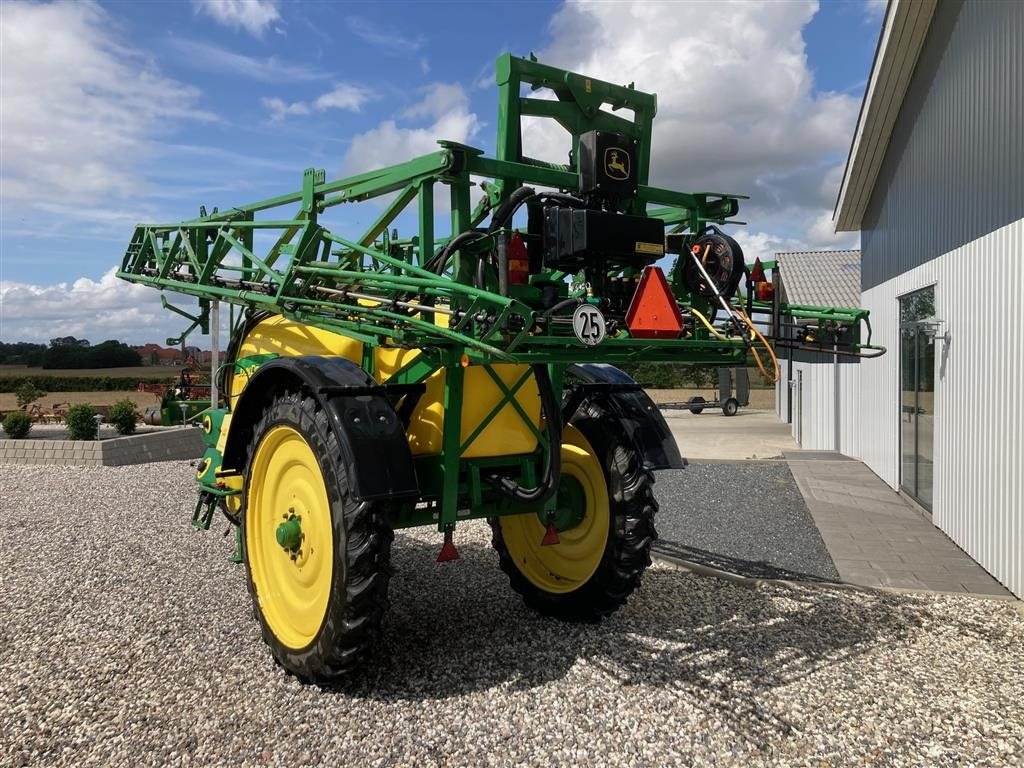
x: 607, y: 164
x: 572, y: 237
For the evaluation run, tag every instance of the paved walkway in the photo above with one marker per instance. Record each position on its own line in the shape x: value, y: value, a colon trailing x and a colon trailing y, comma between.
x: 712, y: 436
x: 877, y: 539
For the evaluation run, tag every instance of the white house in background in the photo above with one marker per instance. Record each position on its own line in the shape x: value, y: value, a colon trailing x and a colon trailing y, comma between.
x: 935, y: 185
x: 815, y: 387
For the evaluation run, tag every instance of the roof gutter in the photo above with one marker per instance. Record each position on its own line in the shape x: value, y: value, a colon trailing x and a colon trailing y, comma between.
x: 899, y: 45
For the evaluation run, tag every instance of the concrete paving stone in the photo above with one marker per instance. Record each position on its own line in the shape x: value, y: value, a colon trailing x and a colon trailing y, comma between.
x: 884, y: 563
x: 984, y: 587
x: 837, y: 536
x: 880, y: 506
x: 964, y: 573
x: 827, y: 484
x: 844, y: 546
x: 918, y: 557
x: 831, y: 497
x: 851, y: 564
x: 944, y: 585
x: 902, y: 579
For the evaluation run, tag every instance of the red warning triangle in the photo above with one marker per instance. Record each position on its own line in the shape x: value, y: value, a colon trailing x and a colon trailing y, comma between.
x: 757, y: 273
x: 653, y: 313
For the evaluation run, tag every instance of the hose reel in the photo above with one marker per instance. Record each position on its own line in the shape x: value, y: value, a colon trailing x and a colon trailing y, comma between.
x: 722, y: 259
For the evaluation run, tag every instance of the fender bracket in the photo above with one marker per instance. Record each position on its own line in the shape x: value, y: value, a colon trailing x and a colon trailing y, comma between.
x: 373, y: 443
x: 624, y: 397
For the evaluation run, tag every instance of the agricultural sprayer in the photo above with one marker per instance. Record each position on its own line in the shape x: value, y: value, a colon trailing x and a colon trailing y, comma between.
x: 378, y: 381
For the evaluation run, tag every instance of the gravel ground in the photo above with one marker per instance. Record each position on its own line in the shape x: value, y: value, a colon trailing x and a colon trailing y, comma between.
x: 128, y: 640
x: 744, y: 517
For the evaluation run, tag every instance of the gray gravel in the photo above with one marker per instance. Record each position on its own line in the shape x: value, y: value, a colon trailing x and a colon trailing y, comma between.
x: 743, y: 517
x: 127, y: 639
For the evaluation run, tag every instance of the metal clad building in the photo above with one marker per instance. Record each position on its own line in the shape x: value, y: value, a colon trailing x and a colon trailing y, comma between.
x: 815, y: 393
x: 935, y: 184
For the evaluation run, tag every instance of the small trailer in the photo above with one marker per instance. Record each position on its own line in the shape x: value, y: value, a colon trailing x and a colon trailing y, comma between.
x: 733, y: 394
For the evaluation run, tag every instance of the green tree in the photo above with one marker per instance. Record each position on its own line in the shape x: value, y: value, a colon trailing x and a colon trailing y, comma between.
x: 27, y: 393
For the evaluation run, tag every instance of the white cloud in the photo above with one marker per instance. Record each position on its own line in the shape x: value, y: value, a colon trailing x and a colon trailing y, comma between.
x: 254, y: 16
x: 875, y: 9
x: 213, y: 58
x: 821, y: 234
x: 279, y: 110
x: 764, y: 245
x: 737, y: 109
x: 387, y: 39
x: 102, y: 309
x: 343, y: 96
x: 444, y: 106
x: 81, y: 107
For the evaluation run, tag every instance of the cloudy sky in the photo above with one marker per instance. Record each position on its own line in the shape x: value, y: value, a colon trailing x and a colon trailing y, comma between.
x: 114, y: 113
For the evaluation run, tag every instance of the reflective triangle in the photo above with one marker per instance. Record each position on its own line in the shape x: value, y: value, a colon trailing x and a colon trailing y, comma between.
x: 653, y: 313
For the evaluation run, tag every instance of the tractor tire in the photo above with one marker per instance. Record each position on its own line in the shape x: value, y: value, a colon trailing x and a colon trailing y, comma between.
x: 317, y: 560
x: 731, y: 406
x: 619, y: 526
x: 696, y: 405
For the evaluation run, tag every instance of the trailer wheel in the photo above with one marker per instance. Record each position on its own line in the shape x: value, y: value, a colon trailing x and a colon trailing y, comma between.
x: 601, y: 556
x: 318, y: 561
x: 696, y: 405
x: 730, y: 406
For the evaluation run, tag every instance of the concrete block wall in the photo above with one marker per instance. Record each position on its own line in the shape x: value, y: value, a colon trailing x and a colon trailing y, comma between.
x: 164, y: 445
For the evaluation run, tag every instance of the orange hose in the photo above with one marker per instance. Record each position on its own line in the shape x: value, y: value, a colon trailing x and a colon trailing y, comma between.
x: 757, y: 357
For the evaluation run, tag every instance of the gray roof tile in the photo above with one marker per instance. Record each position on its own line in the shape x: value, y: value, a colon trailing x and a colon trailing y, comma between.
x: 820, y: 278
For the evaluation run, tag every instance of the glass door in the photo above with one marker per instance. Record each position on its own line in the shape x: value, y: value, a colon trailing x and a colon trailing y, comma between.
x: 917, y: 393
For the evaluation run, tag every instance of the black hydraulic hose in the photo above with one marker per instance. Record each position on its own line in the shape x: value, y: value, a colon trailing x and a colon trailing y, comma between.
x: 553, y: 466
x: 509, y: 207
x: 451, y: 247
x: 561, y: 305
x: 480, y: 266
x: 502, y: 263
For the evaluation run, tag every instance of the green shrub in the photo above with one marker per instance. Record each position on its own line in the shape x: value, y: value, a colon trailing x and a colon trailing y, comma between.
x: 123, y: 416
x: 81, y: 421
x: 27, y: 393
x: 17, y: 424
x: 81, y: 383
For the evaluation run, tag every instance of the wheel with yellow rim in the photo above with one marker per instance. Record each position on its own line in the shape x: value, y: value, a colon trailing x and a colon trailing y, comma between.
x: 604, y: 516
x: 317, y: 560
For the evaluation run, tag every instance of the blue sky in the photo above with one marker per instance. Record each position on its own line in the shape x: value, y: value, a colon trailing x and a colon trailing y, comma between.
x: 121, y: 112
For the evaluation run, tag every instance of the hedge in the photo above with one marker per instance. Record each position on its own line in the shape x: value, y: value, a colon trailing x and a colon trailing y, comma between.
x: 78, y: 383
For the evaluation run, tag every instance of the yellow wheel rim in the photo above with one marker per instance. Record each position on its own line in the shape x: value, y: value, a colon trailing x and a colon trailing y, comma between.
x: 568, y: 565
x: 293, y: 586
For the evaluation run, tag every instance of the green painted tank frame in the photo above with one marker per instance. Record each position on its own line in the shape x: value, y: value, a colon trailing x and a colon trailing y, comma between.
x: 377, y: 288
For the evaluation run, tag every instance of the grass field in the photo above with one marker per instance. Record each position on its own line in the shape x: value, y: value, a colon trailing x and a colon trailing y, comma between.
x: 8, y: 401
x: 140, y: 372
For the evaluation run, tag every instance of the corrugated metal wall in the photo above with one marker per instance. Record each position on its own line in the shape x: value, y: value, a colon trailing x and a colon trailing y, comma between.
x: 952, y: 171
x: 979, y: 397
x: 821, y: 411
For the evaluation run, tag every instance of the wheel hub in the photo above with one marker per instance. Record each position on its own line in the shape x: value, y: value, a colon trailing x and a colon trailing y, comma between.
x: 570, y: 505
x: 289, y: 533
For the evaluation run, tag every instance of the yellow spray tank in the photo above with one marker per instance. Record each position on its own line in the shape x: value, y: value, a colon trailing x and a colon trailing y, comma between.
x: 503, y: 435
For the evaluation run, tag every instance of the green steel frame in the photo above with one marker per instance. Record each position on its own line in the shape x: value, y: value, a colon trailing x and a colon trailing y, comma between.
x: 376, y: 288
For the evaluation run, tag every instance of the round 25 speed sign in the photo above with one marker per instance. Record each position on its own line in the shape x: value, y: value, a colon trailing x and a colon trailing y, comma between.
x: 588, y: 323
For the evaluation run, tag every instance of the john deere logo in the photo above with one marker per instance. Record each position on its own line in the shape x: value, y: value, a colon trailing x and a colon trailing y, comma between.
x: 616, y: 164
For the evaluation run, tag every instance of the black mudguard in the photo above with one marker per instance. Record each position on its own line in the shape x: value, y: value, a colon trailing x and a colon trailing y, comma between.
x: 373, y: 441
x: 618, y: 392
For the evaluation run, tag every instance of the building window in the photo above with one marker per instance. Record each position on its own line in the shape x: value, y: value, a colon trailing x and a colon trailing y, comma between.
x: 917, y: 394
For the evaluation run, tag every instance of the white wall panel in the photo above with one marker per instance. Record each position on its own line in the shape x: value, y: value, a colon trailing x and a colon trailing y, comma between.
x: 979, y: 415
